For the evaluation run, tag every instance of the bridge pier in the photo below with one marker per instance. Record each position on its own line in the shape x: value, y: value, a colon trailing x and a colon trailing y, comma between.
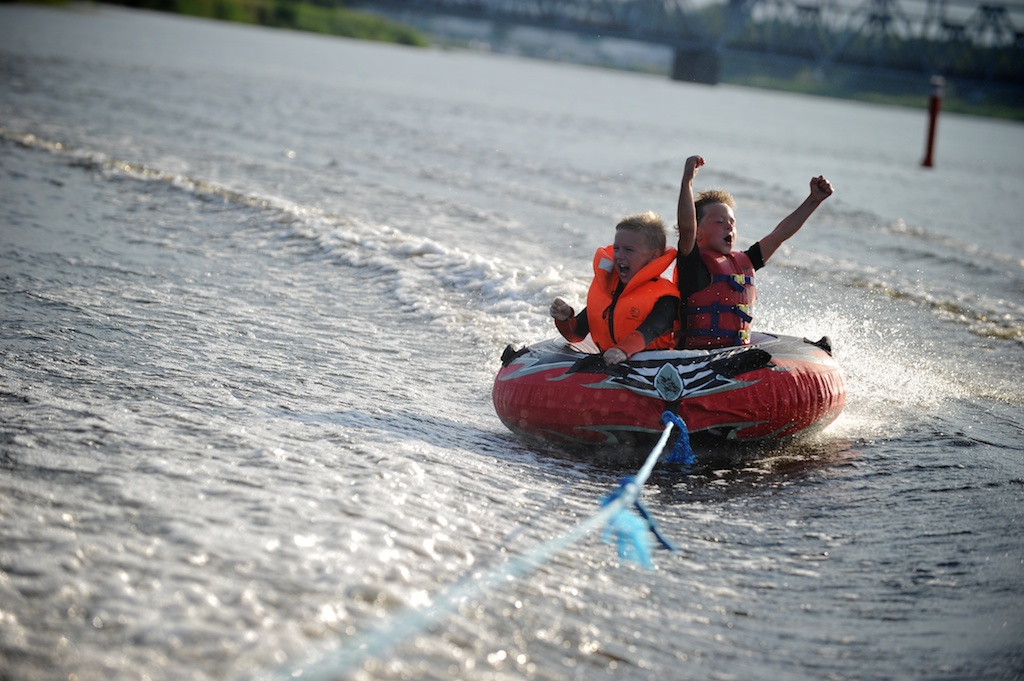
x: 696, y: 65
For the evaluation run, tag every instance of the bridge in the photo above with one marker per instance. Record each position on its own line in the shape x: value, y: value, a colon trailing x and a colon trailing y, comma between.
x: 974, y: 38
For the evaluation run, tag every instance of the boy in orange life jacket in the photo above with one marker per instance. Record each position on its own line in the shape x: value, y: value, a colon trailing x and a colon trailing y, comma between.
x: 716, y: 283
x: 630, y: 306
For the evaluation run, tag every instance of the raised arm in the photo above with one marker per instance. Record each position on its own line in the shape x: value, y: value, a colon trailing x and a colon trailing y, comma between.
x: 686, y: 216
x: 821, y: 189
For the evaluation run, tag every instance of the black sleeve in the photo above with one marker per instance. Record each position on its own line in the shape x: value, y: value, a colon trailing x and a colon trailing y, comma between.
x: 582, y: 323
x: 754, y: 253
x: 688, y: 271
x: 661, y: 319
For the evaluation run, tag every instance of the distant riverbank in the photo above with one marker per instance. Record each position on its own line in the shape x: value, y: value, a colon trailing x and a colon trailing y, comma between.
x: 765, y: 72
x: 762, y: 71
x: 316, y: 16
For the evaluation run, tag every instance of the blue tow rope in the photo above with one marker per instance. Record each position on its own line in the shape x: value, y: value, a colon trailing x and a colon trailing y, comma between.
x: 631, y: 532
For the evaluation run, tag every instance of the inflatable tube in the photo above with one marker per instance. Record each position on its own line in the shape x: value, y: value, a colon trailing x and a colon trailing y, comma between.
x: 775, y: 388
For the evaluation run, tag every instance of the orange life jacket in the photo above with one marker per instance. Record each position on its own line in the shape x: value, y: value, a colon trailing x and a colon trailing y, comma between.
x: 719, y: 315
x: 611, y: 318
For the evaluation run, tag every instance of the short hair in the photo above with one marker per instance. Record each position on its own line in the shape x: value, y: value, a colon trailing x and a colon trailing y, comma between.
x: 709, y: 196
x: 648, y: 225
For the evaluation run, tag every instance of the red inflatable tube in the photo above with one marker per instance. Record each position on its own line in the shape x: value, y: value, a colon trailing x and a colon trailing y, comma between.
x: 776, y: 388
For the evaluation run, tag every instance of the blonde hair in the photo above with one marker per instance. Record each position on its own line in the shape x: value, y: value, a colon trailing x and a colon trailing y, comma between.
x: 648, y: 225
x: 709, y: 196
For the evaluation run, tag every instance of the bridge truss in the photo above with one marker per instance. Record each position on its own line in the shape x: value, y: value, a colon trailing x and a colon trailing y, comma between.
x: 983, y: 39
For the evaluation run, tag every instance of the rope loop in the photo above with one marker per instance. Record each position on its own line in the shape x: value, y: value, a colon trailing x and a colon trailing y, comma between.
x: 682, y: 452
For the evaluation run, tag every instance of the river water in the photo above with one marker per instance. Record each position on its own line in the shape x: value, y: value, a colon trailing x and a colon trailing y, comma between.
x: 254, y: 287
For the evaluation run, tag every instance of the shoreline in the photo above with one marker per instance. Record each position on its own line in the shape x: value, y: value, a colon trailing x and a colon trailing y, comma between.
x: 762, y: 72
x: 985, y: 100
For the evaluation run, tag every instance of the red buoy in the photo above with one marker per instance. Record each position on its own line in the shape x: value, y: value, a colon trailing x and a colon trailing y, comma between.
x: 934, y: 104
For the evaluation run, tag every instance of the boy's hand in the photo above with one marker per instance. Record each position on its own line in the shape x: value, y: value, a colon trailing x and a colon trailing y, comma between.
x: 690, y: 171
x: 613, y: 356
x: 561, y: 310
x: 821, y: 188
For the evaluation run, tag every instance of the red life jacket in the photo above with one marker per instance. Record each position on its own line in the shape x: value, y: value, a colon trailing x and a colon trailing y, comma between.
x: 719, y: 315
x: 611, y: 318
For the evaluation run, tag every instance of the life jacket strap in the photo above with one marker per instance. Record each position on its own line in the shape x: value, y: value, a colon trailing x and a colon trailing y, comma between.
x: 716, y: 309
x: 742, y: 336
x: 736, y: 281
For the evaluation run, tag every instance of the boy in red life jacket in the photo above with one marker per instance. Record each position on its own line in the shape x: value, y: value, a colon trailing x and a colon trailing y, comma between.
x: 630, y: 306
x: 716, y: 283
